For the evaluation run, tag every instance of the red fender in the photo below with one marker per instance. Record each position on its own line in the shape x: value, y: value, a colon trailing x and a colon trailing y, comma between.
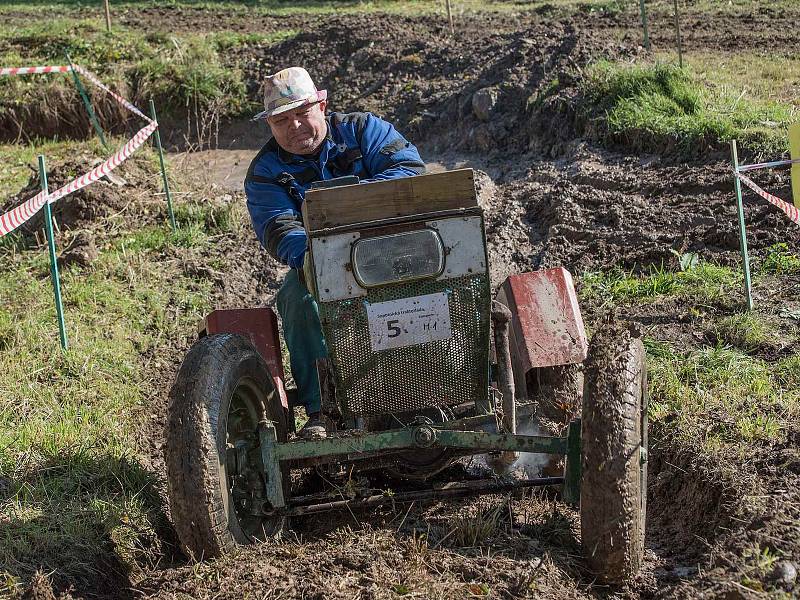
x: 546, y: 326
x: 261, y: 326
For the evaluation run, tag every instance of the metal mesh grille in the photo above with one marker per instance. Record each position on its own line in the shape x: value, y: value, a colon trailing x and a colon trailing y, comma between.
x: 445, y: 372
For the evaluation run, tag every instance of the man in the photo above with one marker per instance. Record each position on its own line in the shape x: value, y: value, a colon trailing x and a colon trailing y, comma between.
x: 308, y: 146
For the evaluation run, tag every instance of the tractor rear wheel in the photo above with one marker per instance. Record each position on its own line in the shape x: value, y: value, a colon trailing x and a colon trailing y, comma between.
x: 222, y: 391
x: 613, y: 454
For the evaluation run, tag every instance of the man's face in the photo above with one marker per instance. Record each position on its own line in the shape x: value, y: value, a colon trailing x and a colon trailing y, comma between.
x: 300, y: 130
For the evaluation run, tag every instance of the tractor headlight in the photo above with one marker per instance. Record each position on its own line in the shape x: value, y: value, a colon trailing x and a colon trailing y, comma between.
x: 398, y: 257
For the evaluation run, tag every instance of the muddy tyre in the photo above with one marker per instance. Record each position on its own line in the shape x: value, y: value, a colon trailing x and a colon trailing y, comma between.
x: 222, y: 391
x: 613, y: 433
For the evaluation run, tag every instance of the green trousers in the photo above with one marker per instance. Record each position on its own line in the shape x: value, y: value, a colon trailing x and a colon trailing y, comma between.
x: 303, y: 334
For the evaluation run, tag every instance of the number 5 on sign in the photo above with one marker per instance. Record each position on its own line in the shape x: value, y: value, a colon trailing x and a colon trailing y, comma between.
x: 794, y: 151
x: 409, y: 321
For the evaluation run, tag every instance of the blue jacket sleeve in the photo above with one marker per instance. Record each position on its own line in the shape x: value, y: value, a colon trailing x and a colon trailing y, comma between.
x: 277, y: 222
x: 386, y: 153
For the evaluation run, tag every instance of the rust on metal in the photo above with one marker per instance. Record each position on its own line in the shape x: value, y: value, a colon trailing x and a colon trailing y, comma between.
x: 547, y: 327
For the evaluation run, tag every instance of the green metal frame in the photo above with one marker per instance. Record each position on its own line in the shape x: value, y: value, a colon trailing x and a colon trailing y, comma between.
x: 748, y: 288
x: 424, y: 436
x: 164, y: 178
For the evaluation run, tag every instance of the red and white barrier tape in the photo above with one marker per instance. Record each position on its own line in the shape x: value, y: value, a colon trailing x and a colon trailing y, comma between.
x: 791, y: 211
x: 19, y: 215
x: 16, y: 217
x: 91, y: 77
x: 31, y: 70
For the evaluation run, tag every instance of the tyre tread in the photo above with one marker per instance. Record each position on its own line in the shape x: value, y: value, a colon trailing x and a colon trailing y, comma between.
x: 191, y: 453
x: 612, y: 518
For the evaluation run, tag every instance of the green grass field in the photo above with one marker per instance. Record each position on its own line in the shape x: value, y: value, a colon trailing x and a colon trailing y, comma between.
x: 653, y: 106
x: 726, y: 392
x: 74, y: 493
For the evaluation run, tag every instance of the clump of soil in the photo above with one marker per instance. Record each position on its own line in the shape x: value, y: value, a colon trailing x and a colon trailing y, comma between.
x: 81, y: 250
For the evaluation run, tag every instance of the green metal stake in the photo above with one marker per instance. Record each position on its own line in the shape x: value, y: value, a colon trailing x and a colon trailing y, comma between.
x: 163, y: 167
x: 643, y: 14
x: 82, y: 91
x: 742, y: 231
x: 678, y: 33
x: 51, y: 244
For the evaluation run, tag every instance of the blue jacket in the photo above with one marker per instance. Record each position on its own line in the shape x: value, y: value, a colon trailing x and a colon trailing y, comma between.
x: 357, y: 144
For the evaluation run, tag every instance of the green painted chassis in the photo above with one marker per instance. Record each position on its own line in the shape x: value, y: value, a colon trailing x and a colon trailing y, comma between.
x: 357, y: 445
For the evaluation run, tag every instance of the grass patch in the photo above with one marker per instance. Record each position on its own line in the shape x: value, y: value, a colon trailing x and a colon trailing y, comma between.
x: 75, y: 499
x: 780, y: 260
x: 746, y: 331
x: 470, y: 530
x: 720, y: 397
x: 651, y: 106
x: 716, y: 395
x: 758, y: 77
x: 72, y: 493
x: 704, y: 282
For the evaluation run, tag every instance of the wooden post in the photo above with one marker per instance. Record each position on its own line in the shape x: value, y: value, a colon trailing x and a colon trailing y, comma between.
x: 108, y: 16
x: 450, y: 17
x: 678, y: 34
x: 51, y: 246
x: 742, y: 231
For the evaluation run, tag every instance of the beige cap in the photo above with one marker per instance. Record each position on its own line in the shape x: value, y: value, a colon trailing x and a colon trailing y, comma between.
x: 288, y: 89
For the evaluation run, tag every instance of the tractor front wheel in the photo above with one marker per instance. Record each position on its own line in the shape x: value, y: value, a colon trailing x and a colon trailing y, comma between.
x: 216, y: 486
x: 613, y: 454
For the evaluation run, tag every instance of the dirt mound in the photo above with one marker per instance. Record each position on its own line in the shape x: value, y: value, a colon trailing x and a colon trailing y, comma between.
x: 437, y: 551
x: 87, y: 207
x: 599, y: 210
x: 54, y: 109
x: 475, y: 91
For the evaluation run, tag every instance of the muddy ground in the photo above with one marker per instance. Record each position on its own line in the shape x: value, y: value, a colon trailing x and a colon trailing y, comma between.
x: 552, y: 197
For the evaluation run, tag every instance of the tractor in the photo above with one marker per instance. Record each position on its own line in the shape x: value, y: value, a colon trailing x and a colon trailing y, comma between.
x: 425, y: 367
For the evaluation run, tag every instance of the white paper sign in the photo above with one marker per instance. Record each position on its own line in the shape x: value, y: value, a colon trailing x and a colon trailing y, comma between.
x: 410, y: 321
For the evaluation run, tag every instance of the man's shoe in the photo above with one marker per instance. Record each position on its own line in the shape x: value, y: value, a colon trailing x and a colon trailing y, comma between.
x: 314, y: 429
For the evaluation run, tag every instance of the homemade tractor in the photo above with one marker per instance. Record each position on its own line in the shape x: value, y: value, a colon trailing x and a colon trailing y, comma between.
x: 424, y: 368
